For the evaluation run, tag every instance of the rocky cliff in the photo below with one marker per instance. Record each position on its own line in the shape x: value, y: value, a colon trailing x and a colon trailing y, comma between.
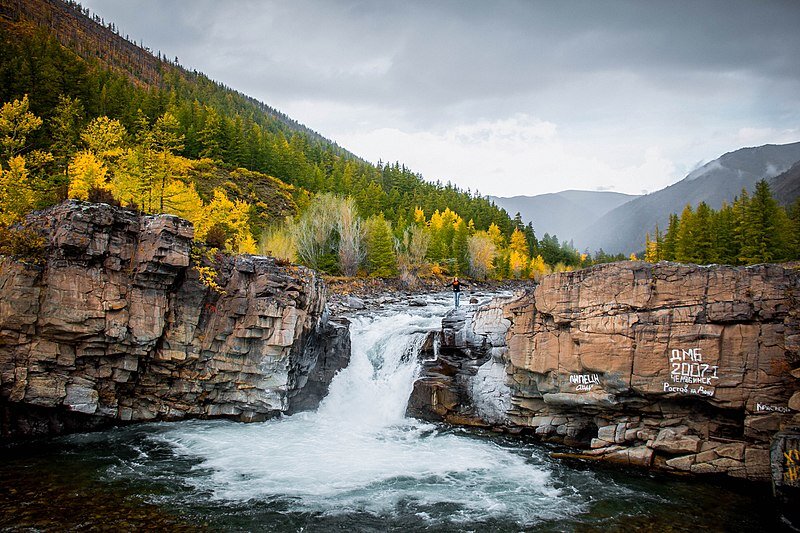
x: 124, y: 319
x: 677, y: 367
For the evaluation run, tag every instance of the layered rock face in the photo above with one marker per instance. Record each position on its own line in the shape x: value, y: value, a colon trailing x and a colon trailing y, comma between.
x: 678, y: 367
x: 122, y: 323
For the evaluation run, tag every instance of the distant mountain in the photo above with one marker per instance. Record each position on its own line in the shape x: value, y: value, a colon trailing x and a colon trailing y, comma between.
x: 786, y: 187
x: 563, y: 213
x: 623, y: 229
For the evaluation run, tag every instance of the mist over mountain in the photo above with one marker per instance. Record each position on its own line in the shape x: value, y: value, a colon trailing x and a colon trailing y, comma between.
x: 564, y: 213
x: 623, y: 229
x: 786, y: 186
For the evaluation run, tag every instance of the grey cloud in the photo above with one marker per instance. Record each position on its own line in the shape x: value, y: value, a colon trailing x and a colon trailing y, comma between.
x: 475, y: 49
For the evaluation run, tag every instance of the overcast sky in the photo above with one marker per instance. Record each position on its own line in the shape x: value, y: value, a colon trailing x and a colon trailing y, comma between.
x: 506, y: 97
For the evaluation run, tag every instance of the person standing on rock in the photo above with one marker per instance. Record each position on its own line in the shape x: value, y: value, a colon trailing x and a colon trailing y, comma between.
x: 456, y: 289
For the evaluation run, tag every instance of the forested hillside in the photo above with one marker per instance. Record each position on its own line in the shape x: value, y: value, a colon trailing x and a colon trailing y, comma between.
x: 752, y: 229
x: 91, y: 115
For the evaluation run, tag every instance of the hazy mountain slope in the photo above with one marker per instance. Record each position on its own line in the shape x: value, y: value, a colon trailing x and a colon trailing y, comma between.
x: 623, y: 229
x: 563, y: 213
x: 786, y: 186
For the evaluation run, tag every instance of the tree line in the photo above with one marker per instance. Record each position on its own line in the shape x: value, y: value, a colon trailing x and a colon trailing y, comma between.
x: 237, y: 169
x: 752, y: 229
x: 218, y: 125
x: 331, y: 236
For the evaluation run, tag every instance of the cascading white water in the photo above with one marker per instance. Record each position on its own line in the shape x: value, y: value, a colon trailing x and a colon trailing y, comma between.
x: 359, y: 453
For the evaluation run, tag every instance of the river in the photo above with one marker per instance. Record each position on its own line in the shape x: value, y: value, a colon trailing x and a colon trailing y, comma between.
x: 356, y: 464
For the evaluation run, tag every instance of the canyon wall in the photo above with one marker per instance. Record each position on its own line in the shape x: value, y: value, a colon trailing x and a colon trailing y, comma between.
x: 124, y: 319
x: 677, y: 367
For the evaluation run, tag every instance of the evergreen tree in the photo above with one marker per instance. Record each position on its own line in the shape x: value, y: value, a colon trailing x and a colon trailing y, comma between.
x: 671, y: 239
x: 761, y: 237
x: 702, y: 233
x: 726, y: 245
x: 793, y: 240
x: 461, y: 246
x: 380, y: 257
x: 684, y: 243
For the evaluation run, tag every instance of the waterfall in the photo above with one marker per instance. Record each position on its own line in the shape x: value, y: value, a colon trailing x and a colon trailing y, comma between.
x: 373, y: 390
x: 360, y: 453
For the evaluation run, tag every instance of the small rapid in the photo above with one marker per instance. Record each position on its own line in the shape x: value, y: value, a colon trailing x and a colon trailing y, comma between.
x: 360, y: 453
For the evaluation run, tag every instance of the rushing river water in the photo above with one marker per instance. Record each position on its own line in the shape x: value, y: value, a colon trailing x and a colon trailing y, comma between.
x: 356, y: 464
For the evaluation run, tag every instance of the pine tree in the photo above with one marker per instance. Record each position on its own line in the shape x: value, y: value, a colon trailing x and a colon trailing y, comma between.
x: 684, y: 243
x: 762, y: 240
x: 671, y: 238
x: 703, y: 246
x: 212, y: 136
x: 380, y: 257
x: 794, y: 230
x: 461, y: 246
x: 726, y: 245
x: 65, y: 126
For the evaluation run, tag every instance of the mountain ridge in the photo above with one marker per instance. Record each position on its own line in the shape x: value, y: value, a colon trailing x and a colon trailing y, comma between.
x: 562, y: 213
x: 623, y: 229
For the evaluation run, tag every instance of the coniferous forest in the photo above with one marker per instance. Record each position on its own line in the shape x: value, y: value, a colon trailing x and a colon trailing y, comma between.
x: 116, y: 124
x: 753, y: 229
x: 89, y: 114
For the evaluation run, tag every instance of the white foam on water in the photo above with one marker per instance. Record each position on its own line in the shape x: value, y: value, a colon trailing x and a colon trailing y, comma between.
x: 359, y: 452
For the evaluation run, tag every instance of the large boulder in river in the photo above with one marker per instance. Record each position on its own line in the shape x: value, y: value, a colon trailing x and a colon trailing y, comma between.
x: 127, y: 320
x: 696, y: 366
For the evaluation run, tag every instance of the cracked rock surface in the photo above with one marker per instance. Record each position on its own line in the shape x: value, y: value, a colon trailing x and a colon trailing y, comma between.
x: 678, y: 367
x: 117, y: 326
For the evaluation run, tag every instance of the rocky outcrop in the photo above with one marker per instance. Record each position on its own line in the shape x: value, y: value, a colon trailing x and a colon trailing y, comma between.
x: 463, y: 379
x: 678, y: 367
x: 127, y: 321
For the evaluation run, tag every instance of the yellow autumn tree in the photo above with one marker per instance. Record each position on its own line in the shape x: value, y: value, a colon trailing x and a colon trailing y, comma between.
x: 232, y: 217
x: 481, y: 254
x: 16, y: 123
x: 104, y: 137
x: 278, y: 242
x: 496, y: 235
x: 518, y: 254
x: 538, y: 267
x: 650, y: 250
x: 86, y: 172
x: 182, y: 200
x: 16, y: 196
x: 19, y: 165
x: 156, y: 183
x: 419, y: 216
